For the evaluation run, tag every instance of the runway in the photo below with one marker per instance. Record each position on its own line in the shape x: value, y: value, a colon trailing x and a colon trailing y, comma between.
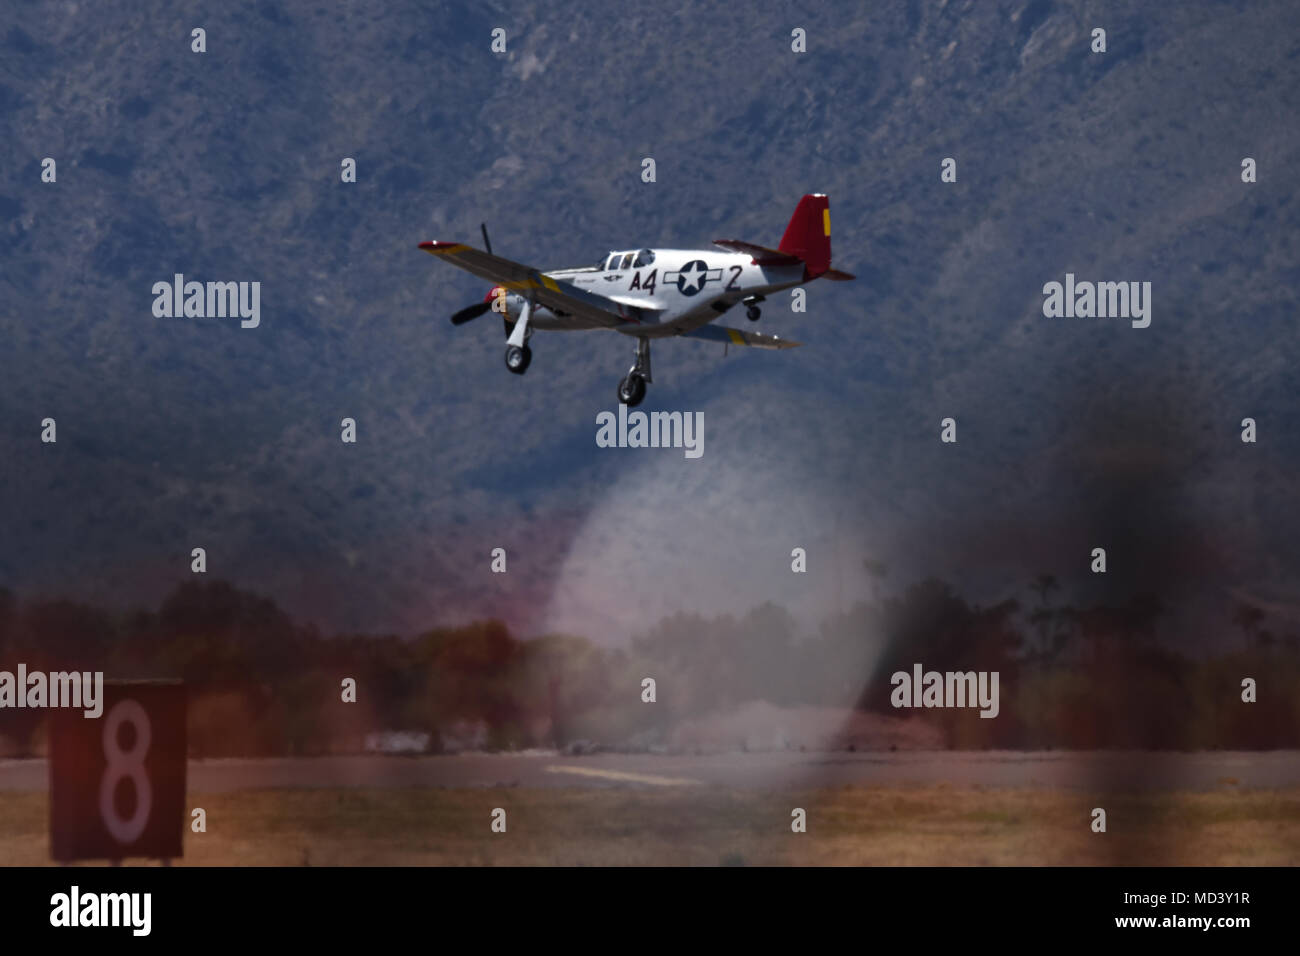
x: 1067, y: 770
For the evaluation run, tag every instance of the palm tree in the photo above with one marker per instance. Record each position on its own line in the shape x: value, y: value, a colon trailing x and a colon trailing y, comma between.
x: 1043, y: 616
x: 878, y: 571
x: 1043, y: 585
x: 1248, y: 618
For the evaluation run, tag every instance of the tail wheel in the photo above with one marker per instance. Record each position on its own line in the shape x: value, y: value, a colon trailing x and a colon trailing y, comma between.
x: 631, y: 390
x: 518, y: 359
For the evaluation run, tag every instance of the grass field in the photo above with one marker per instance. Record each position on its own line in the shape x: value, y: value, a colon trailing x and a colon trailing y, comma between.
x: 856, y: 826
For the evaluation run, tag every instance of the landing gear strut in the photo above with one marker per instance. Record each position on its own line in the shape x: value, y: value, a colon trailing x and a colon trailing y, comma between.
x: 632, y: 389
x: 518, y: 355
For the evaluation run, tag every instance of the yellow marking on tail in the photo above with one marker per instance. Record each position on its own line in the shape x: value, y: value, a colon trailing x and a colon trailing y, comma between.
x: 736, y: 337
x: 826, y: 221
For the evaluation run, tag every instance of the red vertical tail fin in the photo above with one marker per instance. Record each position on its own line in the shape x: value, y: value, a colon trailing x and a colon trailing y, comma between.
x: 808, y: 237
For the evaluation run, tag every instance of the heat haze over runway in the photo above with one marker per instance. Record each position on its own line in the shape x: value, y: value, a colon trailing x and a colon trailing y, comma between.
x: 1069, y: 770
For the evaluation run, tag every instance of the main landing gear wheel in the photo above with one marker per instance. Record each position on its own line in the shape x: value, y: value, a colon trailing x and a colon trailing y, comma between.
x: 518, y: 359
x: 631, y: 390
x: 753, y: 313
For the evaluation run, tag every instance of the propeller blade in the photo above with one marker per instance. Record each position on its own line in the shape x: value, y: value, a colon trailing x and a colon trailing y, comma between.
x: 470, y: 312
x: 487, y: 243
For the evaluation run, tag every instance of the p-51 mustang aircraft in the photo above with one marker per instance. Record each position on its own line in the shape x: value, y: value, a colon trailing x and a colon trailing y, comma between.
x: 649, y: 293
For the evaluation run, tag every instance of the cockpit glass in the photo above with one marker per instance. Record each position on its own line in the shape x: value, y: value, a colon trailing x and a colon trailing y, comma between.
x: 644, y: 258
x: 627, y: 261
x: 613, y: 261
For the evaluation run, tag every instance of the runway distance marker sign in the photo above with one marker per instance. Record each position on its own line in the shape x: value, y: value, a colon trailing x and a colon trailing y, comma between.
x: 117, y: 783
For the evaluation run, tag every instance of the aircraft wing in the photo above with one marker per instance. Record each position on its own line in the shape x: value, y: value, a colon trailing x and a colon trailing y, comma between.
x: 633, y: 302
x: 720, y: 333
x: 559, y: 296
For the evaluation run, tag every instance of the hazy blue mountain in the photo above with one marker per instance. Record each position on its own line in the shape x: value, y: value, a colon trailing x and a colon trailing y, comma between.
x: 1072, y: 433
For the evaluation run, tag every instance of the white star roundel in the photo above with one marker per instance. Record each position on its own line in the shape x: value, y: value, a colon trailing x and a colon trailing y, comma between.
x: 693, y: 276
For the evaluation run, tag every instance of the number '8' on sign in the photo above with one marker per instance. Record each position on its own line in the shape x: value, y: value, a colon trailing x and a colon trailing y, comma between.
x: 117, y: 783
x: 129, y: 765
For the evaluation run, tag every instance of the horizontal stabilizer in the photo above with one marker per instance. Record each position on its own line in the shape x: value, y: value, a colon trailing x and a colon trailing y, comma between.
x: 720, y: 333
x: 837, y: 275
x: 762, y: 255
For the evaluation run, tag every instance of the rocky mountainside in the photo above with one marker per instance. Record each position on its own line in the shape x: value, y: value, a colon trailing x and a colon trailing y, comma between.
x: 176, y: 433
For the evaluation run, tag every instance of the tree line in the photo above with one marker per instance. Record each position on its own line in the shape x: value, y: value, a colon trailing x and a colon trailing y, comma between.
x: 1102, y: 676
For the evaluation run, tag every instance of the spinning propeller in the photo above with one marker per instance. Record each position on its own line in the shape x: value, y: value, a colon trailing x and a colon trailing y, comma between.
x: 474, y: 311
